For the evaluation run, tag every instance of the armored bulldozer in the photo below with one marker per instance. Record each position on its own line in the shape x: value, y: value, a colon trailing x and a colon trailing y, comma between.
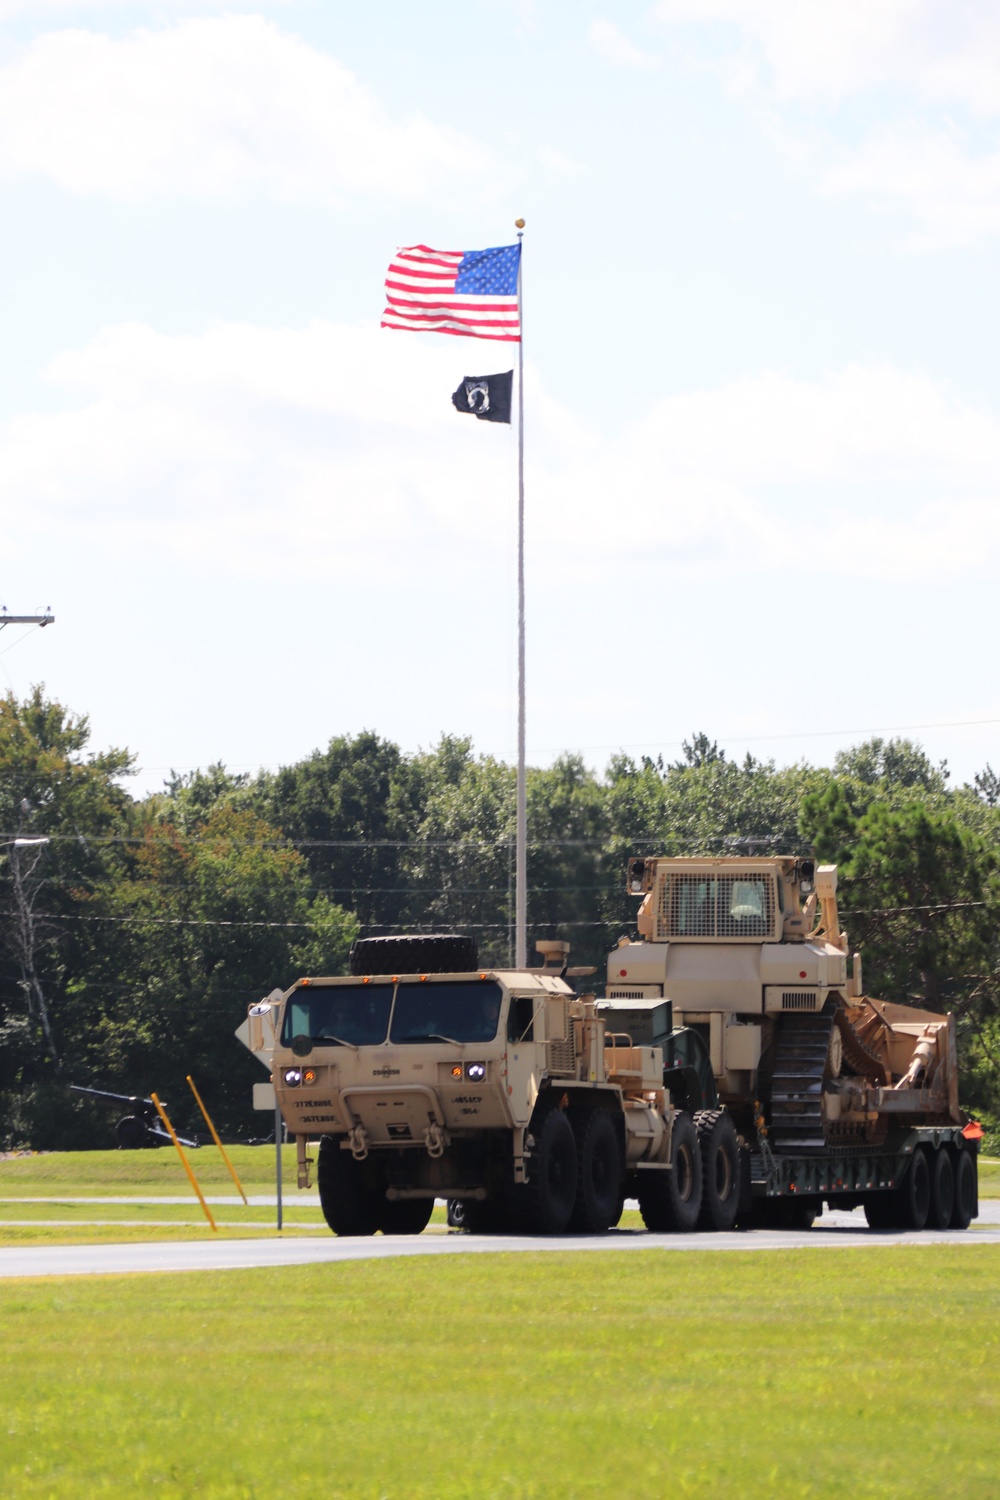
x: 836, y: 1096
x: 504, y: 1090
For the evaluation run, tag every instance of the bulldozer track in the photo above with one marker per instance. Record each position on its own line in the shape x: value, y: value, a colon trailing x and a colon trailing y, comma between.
x: 801, y: 1050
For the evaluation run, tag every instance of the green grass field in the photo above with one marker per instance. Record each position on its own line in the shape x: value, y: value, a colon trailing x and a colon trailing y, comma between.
x: 157, y: 1175
x: 88, y: 1174
x: 124, y: 1175
x: 797, y: 1373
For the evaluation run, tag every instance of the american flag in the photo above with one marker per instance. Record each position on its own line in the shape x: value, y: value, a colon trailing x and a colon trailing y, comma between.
x: 465, y: 292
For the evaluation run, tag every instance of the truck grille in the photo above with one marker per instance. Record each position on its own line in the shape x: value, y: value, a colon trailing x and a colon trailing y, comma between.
x: 562, y: 1056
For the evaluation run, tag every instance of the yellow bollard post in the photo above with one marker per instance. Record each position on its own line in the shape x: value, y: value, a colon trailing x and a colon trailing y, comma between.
x: 215, y: 1138
x: 191, y: 1177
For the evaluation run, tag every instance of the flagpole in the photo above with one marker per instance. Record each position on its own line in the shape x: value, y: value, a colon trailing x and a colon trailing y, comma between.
x: 521, y: 871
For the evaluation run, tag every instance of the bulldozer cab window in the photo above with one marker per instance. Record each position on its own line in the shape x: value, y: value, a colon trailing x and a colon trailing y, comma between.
x: 354, y: 1013
x: 724, y: 906
x: 745, y: 906
x: 464, y: 1011
x: 694, y: 907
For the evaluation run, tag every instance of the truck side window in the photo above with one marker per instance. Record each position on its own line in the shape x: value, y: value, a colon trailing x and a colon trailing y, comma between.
x: 520, y: 1019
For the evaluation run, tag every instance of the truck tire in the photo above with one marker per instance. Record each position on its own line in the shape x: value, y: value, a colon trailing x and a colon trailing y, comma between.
x: 720, y: 1169
x: 942, y: 1190
x: 551, y: 1188
x: 349, y: 1204
x: 474, y: 1218
x: 915, y: 1193
x: 405, y: 1215
x: 599, y: 1174
x: 419, y: 953
x: 965, y: 1190
x: 671, y: 1201
x: 484, y: 1216
x: 881, y: 1211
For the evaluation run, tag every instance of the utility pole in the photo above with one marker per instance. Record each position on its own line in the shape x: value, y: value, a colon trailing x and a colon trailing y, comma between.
x: 6, y: 619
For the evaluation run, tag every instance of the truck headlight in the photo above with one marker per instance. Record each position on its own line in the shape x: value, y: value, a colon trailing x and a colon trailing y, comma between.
x: 292, y: 1077
x: 475, y: 1072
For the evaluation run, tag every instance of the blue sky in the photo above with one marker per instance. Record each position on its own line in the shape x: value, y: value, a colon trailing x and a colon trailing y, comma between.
x: 763, y: 445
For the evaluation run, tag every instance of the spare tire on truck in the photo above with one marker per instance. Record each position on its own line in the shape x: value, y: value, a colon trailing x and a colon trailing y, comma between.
x: 420, y: 953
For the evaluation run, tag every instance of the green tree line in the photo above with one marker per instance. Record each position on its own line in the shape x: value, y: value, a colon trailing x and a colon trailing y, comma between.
x: 134, y: 932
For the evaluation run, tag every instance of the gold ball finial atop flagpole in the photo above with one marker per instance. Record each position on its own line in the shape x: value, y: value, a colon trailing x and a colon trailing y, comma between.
x: 518, y: 223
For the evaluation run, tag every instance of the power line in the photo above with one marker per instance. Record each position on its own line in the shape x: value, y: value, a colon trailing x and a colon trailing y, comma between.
x: 246, y: 767
x: 80, y: 883
x: 892, y: 911
x: 481, y: 845
x: 611, y: 921
x: 51, y: 916
x: 309, y: 926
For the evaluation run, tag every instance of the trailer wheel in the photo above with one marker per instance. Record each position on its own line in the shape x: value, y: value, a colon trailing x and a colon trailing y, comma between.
x: 551, y: 1189
x: 349, y: 1204
x: 915, y: 1193
x: 965, y: 1190
x: 942, y: 1190
x: 599, y: 1175
x: 405, y: 1215
x: 791, y: 1214
x: 720, y: 1169
x: 670, y: 1201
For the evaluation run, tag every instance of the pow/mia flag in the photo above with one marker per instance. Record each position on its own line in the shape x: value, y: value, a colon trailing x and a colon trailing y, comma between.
x: 485, y: 396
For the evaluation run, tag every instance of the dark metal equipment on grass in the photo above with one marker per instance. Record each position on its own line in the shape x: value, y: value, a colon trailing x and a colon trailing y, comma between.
x: 141, y: 1126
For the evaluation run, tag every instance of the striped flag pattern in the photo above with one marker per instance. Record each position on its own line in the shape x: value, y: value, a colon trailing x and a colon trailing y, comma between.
x: 470, y: 293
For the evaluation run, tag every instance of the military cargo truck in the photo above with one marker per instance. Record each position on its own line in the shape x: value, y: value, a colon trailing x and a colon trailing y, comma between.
x: 837, y: 1097
x: 505, y: 1090
x: 734, y: 1070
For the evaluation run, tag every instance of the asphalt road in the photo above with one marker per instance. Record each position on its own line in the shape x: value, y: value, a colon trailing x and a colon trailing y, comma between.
x: 834, y: 1230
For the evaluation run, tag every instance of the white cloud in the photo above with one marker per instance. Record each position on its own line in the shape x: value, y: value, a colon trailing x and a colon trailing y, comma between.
x: 613, y: 44
x: 254, y: 451
x: 952, y: 192
x: 214, y: 106
x: 940, y: 50
x: 877, y: 471
x: 247, y: 448
x: 918, y: 65
x: 56, y: 10
x: 559, y: 163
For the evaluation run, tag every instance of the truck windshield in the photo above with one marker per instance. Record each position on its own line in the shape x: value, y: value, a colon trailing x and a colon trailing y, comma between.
x: 463, y: 1011
x: 357, y: 1014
